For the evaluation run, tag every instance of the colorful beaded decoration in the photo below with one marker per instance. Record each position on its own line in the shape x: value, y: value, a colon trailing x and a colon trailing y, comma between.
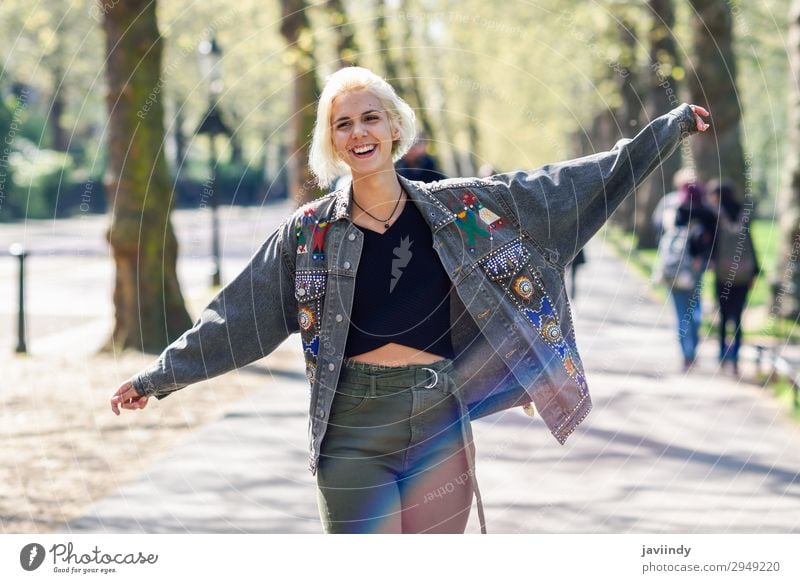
x: 523, y: 287
x: 546, y: 322
x: 311, y: 371
x: 309, y: 284
x: 305, y: 317
x: 506, y: 261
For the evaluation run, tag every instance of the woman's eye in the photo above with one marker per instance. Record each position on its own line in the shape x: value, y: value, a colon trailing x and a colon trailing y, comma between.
x: 371, y: 117
x: 343, y: 125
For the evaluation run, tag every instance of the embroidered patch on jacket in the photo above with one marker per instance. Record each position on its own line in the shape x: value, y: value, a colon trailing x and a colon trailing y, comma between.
x: 492, y: 220
x: 306, y: 319
x: 303, y: 224
x: 467, y: 220
x: 311, y: 371
x: 523, y: 287
x: 506, y: 266
x: 310, y: 293
x: 318, y: 232
x: 545, y: 321
x: 312, y: 346
x: 469, y: 216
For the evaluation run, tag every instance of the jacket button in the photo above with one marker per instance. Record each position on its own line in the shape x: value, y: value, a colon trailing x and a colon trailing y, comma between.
x: 339, y: 318
x: 321, y: 414
x: 351, y: 237
x: 331, y: 366
x: 301, y: 292
x: 346, y: 265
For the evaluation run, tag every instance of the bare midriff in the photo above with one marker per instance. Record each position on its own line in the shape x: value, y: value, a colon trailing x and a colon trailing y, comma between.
x: 393, y: 354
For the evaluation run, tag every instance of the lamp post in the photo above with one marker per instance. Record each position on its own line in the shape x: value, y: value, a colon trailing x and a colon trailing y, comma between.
x: 18, y: 251
x: 210, y: 57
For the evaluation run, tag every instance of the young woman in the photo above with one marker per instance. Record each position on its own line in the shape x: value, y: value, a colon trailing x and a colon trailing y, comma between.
x: 419, y: 306
x: 695, y: 214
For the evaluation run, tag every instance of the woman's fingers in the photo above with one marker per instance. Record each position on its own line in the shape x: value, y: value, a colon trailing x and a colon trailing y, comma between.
x: 127, y: 398
x: 698, y: 121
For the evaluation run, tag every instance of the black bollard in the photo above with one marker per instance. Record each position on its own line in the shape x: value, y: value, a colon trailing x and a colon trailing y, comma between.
x: 17, y: 250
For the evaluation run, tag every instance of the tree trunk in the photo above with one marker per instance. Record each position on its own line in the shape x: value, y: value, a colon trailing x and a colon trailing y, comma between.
x: 786, y: 287
x: 382, y: 34
x: 346, y: 46
x: 629, y: 112
x: 414, y: 95
x: 296, y: 30
x: 149, y: 311
x: 441, y: 133
x: 718, y: 152
x: 662, y: 97
x: 179, y: 138
x: 55, y: 118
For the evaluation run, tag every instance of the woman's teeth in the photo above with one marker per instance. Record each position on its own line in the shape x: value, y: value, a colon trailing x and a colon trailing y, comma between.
x: 363, y: 150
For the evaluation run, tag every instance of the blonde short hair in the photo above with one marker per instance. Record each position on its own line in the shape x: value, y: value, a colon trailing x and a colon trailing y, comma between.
x: 323, y: 160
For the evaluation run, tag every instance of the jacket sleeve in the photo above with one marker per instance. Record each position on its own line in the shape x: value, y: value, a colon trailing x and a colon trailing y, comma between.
x: 563, y: 205
x: 247, y: 320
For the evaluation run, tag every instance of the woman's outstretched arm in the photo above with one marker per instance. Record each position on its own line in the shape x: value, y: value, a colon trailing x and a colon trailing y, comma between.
x: 247, y: 320
x: 563, y: 205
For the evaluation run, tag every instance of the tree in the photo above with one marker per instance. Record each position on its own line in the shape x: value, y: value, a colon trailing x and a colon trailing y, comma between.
x: 786, y: 291
x: 56, y: 48
x: 383, y: 35
x: 717, y: 153
x: 296, y: 30
x: 629, y: 112
x: 149, y: 310
x: 346, y: 46
x: 663, y: 68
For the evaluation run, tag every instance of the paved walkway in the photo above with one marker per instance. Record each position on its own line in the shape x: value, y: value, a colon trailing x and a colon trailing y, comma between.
x: 662, y: 451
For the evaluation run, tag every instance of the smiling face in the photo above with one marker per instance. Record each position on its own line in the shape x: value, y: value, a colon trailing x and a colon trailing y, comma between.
x: 362, y: 133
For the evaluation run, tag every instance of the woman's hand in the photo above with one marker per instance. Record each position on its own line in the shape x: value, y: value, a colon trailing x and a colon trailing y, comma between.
x: 698, y: 121
x: 128, y: 398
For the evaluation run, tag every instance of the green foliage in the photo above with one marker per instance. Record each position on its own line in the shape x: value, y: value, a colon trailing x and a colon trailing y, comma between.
x: 526, y: 75
x: 38, y: 176
x: 6, y: 178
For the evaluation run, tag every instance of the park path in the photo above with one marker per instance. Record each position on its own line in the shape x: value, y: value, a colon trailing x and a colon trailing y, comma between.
x: 662, y: 451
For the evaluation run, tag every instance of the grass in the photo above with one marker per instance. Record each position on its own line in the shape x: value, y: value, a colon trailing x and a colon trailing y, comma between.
x: 783, y: 392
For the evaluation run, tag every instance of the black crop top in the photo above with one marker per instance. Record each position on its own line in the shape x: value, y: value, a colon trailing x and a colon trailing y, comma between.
x: 402, y: 290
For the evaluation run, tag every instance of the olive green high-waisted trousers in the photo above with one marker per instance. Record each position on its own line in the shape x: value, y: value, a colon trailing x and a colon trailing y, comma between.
x: 397, y: 456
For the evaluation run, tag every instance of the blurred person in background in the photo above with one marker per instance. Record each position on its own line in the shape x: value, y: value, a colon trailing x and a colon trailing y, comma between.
x: 418, y: 164
x: 685, y: 248
x: 735, y: 269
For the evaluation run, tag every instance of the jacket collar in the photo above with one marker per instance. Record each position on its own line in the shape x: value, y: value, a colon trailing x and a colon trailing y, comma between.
x: 436, y: 214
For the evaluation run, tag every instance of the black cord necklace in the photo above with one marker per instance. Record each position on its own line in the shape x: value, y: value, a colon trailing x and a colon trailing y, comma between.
x: 385, y: 222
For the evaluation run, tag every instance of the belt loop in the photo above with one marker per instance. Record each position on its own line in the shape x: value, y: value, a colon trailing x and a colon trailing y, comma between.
x: 372, y: 382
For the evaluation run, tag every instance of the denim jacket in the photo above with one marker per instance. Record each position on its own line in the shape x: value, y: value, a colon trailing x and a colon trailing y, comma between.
x: 504, y: 241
